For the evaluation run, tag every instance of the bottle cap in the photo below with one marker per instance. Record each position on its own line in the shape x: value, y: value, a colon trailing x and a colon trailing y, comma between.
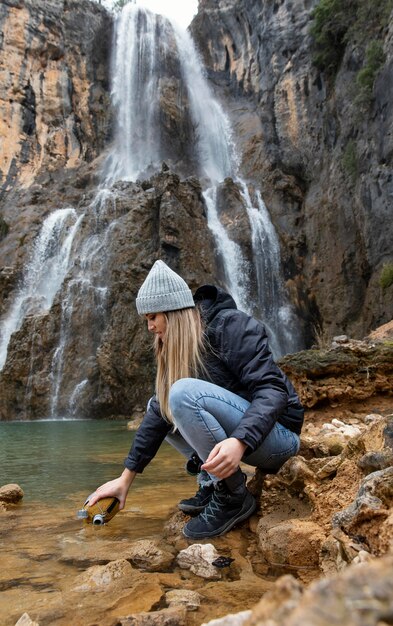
x: 82, y: 514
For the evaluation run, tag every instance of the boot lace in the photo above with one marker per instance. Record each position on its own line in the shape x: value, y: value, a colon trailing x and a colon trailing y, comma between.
x: 215, y: 506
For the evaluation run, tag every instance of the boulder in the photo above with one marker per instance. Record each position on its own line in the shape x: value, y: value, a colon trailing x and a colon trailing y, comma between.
x: 198, y: 558
x: 11, y: 493
x: 293, y: 543
x: 115, y: 575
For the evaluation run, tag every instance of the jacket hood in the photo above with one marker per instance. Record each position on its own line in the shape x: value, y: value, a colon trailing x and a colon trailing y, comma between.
x: 211, y: 300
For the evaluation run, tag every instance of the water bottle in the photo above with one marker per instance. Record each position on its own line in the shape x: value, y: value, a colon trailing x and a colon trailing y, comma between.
x: 101, y: 512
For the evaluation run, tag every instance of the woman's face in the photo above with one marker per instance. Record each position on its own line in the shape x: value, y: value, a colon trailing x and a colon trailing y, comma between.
x: 156, y: 323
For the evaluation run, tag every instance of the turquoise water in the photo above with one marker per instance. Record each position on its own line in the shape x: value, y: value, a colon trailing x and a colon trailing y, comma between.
x: 52, y: 460
x: 58, y: 463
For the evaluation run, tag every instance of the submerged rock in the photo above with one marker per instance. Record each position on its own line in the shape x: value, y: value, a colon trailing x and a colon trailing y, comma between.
x: 11, y: 493
x: 116, y: 574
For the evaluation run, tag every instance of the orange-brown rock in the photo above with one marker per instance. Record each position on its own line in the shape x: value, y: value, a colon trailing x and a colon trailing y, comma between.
x: 54, y: 99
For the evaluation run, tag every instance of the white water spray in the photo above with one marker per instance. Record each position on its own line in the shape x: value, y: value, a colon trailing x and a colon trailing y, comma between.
x: 44, y: 274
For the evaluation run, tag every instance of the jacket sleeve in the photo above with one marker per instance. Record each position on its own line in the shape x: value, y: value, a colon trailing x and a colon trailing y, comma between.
x: 245, y: 351
x: 148, y: 438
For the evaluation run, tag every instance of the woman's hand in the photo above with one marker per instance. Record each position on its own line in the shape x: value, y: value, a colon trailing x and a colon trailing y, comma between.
x: 117, y: 488
x: 225, y: 457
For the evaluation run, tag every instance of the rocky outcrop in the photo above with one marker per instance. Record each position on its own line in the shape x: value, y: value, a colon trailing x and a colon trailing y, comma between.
x: 349, y: 371
x: 70, y: 356
x: 360, y: 595
x: 11, y: 494
x: 106, y: 353
x: 296, y: 128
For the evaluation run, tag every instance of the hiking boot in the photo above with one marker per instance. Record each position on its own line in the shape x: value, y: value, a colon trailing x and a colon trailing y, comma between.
x: 230, y: 504
x: 197, y: 503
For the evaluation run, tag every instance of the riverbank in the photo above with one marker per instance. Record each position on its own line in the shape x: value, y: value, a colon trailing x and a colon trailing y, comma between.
x: 323, y: 529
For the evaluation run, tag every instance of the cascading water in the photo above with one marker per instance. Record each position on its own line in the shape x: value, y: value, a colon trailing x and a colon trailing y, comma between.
x: 134, y: 94
x: 86, y: 289
x: 219, y: 159
x: 44, y: 273
x: 272, y: 303
x: 145, y: 44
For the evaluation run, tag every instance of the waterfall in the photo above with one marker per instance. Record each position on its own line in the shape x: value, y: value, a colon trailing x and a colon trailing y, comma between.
x: 45, y: 271
x: 87, y: 288
x: 219, y: 159
x: 141, y: 40
x: 144, y: 48
x: 272, y: 305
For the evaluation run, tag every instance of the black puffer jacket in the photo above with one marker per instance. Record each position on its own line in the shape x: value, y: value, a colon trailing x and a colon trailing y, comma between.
x: 239, y: 359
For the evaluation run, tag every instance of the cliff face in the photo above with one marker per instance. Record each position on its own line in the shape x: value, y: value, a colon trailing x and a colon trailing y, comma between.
x: 54, y: 86
x: 55, y: 115
x: 83, y: 353
x: 296, y: 129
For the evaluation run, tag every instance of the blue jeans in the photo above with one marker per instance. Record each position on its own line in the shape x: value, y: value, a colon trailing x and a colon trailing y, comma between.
x: 206, y: 414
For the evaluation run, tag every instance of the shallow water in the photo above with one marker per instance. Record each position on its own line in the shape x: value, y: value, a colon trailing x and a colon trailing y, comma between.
x: 58, y: 463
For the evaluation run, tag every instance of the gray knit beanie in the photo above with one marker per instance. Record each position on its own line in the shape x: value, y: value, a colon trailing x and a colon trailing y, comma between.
x: 163, y: 290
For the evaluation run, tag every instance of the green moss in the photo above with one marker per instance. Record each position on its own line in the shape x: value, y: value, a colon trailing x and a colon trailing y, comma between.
x: 329, y: 27
x: 4, y: 228
x: 350, y: 161
x: 365, y: 79
x: 386, y: 276
x: 337, y: 22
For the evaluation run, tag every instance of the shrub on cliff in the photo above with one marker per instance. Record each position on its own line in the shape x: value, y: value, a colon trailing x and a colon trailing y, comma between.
x: 337, y: 22
x: 386, y: 276
x: 4, y: 228
x: 375, y: 58
x: 331, y: 20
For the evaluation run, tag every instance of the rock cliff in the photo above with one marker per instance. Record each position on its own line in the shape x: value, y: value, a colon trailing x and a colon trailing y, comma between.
x: 323, y: 160
x: 293, y: 125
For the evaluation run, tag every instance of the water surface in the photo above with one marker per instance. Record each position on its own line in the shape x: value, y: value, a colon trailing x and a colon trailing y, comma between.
x: 57, y: 464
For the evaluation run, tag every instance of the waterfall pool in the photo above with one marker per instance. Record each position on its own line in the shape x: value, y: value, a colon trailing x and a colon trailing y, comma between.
x: 57, y: 464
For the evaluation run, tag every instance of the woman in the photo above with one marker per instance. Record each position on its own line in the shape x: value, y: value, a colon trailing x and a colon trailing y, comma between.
x: 219, y: 396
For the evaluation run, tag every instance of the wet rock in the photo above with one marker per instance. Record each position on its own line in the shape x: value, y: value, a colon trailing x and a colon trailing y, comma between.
x: 11, y: 494
x: 173, y: 531
x: 191, y: 600
x: 117, y: 574
x: 165, y: 617
x: 198, y: 558
x: 148, y: 556
x: 145, y: 554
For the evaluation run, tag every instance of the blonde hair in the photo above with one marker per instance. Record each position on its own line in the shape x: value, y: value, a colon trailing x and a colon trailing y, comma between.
x: 179, y: 355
